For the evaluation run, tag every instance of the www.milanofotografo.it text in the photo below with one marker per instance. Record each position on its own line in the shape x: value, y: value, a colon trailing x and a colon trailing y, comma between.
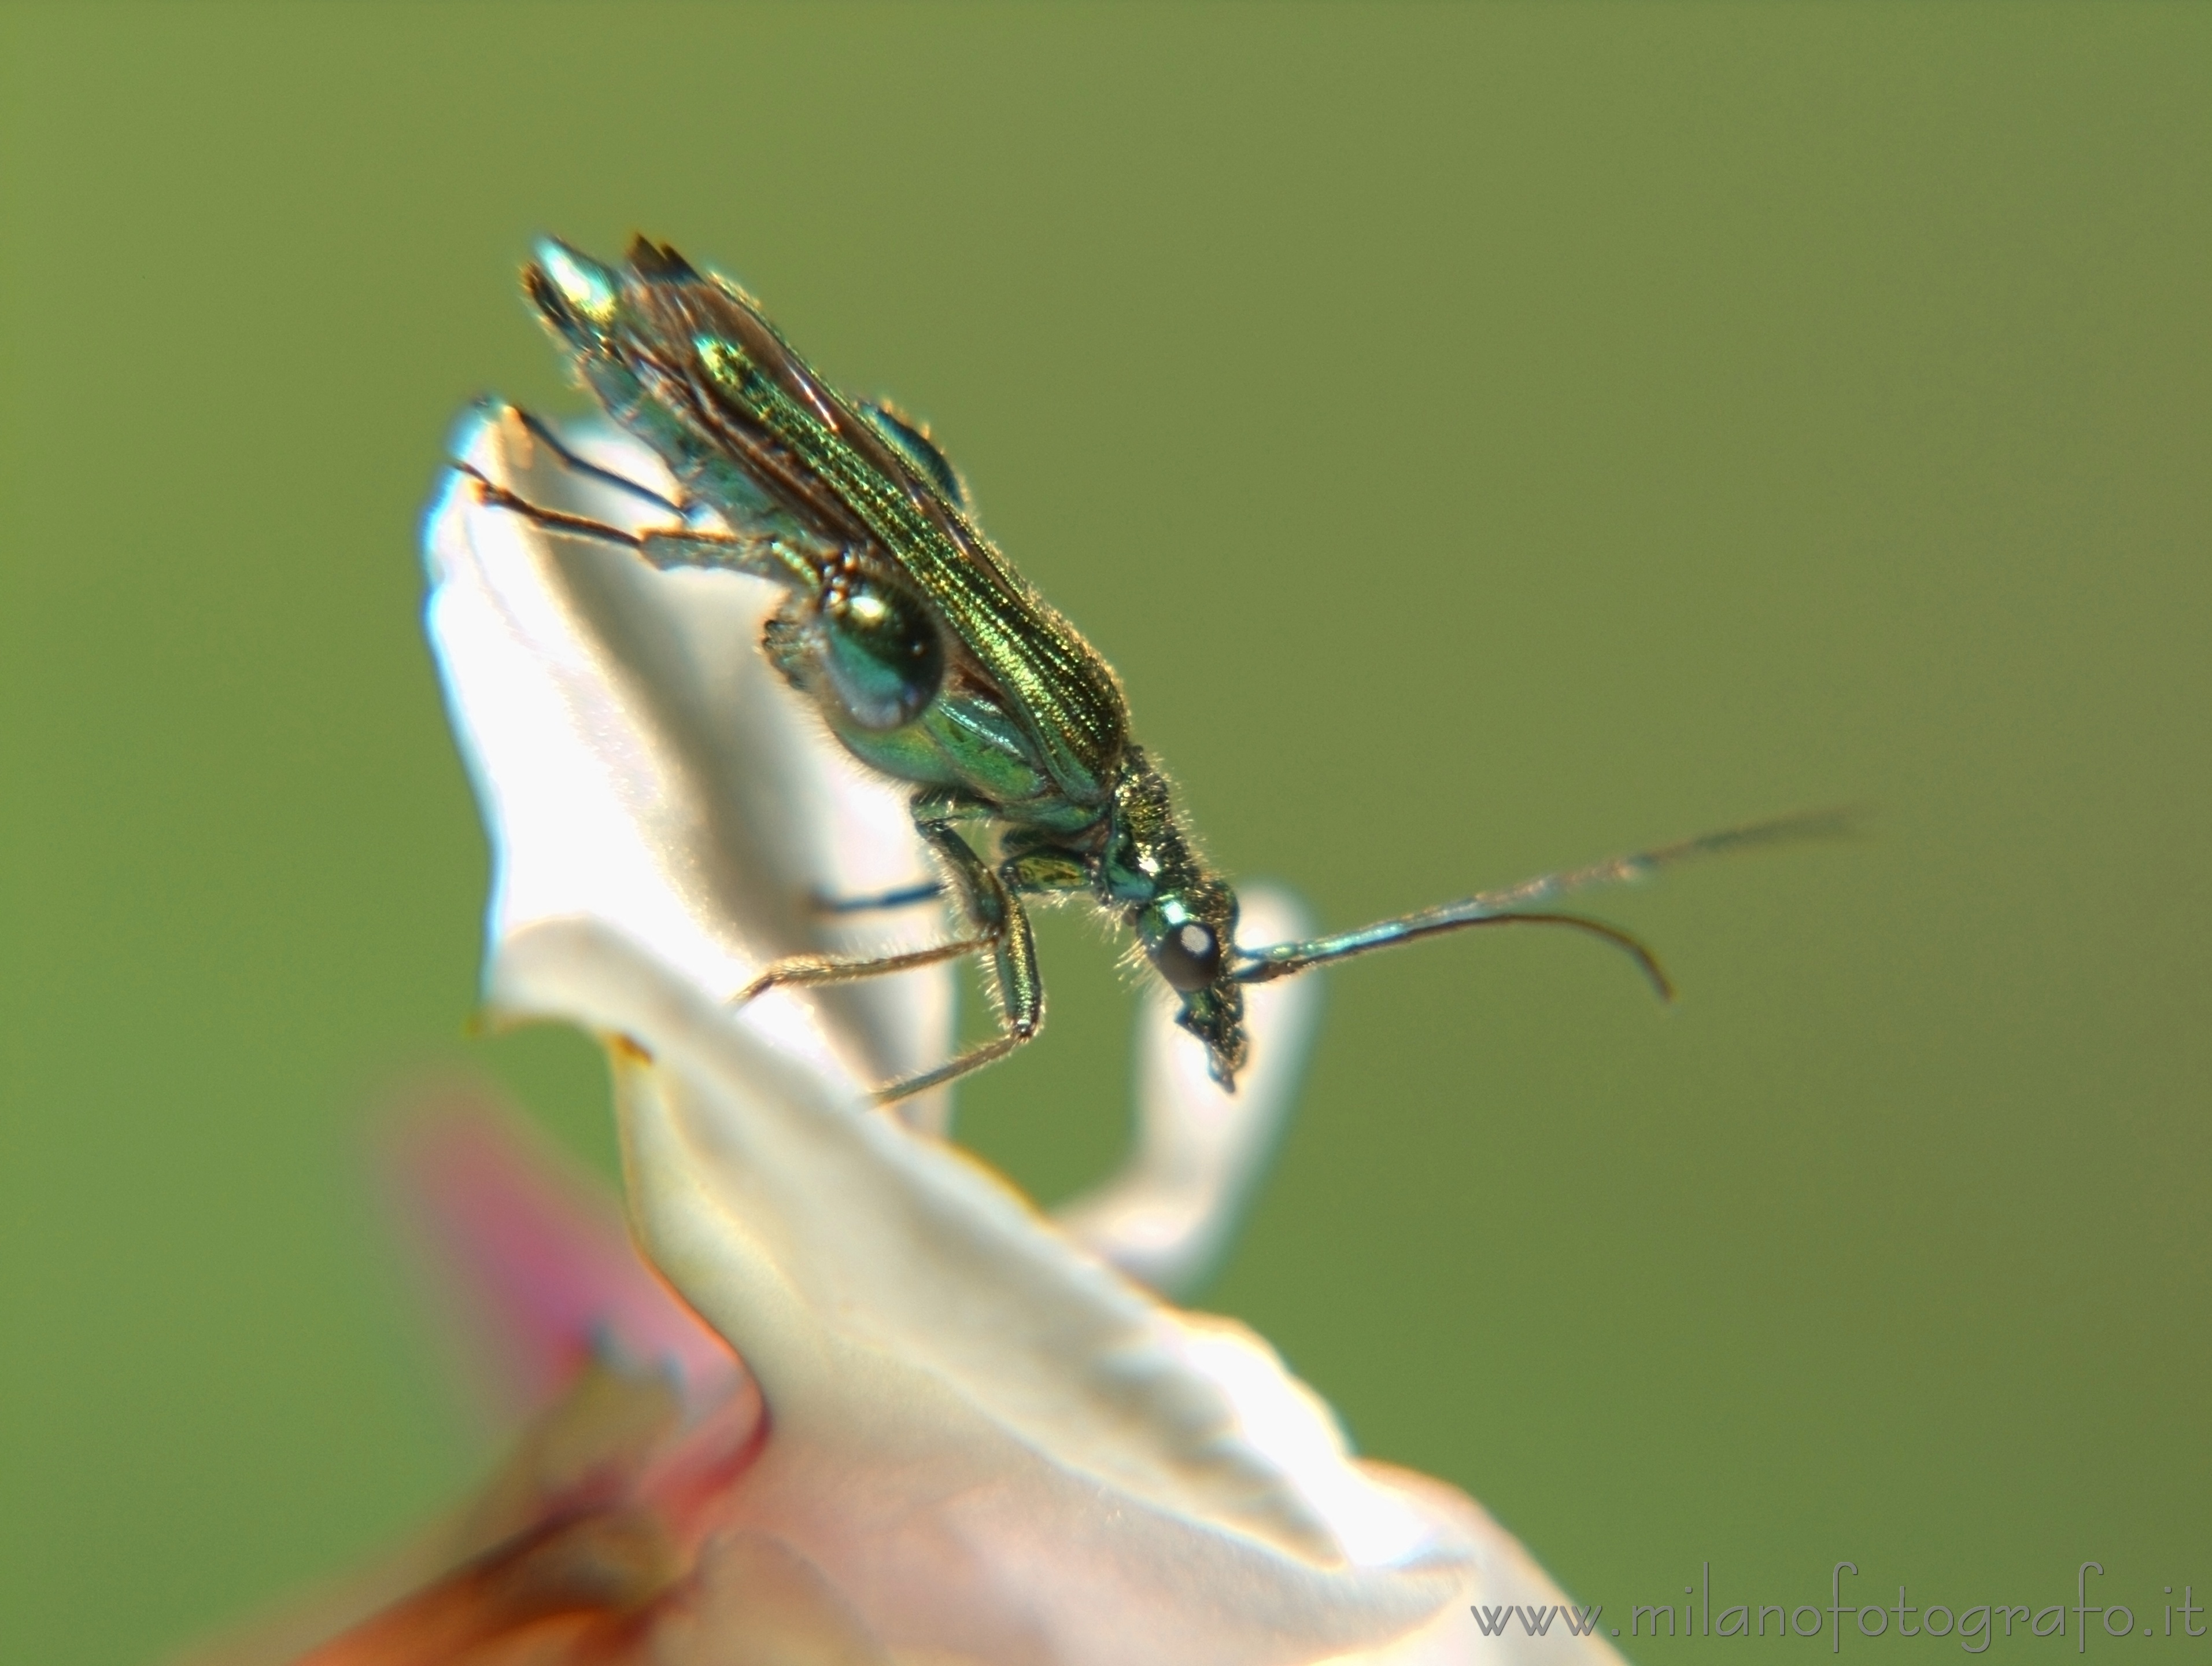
x: 1975, y: 1625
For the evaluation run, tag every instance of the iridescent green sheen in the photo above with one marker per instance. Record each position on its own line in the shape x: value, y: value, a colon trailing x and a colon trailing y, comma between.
x: 932, y: 660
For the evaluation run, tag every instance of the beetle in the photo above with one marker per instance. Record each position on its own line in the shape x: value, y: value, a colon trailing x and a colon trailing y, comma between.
x: 935, y: 664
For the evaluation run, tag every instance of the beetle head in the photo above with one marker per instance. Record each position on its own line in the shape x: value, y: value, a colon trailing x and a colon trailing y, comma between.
x: 1189, y: 933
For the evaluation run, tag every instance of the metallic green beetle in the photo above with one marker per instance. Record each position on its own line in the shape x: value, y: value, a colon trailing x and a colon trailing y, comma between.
x: 935, y: 663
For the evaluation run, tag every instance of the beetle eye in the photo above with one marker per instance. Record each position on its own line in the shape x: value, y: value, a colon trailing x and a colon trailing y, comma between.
x: 1189, y: 956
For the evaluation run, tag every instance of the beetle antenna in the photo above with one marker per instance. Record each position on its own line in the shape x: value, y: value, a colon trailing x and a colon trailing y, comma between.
x: 1513, y: 903
x: 1283, y: 959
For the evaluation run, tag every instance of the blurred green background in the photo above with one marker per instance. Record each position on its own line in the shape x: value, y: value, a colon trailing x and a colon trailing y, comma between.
x: 1483, y: 438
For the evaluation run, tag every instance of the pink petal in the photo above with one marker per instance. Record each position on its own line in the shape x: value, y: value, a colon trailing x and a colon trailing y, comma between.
x: 534, y: 1260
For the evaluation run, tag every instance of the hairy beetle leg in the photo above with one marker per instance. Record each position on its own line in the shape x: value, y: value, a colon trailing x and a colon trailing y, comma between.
x: 802, y: 970
x: 663, y: 549
x: 987, y: 901
x: 543, y: 435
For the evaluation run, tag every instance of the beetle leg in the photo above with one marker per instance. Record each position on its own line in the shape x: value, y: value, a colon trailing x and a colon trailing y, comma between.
x: 576, y: 464
x: 977, y: 892
x: 1001, y: 925
x: 742, y: 553
x: 974, y: 1058
x: 745, y: 552
x: 944, y: 805
x: 904, y: 896
x: 803, y: 970
x: 1021, y: 1006
x: 1045, y: 873
x: 990, y: 904
x: 930, y: 806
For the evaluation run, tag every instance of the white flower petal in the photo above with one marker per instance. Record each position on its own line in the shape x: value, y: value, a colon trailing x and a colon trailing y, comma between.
x: 1169, y: 1213
x: 988, y: 1440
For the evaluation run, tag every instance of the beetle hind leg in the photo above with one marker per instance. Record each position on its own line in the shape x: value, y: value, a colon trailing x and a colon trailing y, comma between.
x: 576, y: 464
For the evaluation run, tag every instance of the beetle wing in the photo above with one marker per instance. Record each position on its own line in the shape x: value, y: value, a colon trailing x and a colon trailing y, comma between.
x: 706, y: 351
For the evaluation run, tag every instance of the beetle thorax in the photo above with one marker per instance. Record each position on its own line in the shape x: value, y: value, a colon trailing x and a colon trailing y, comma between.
x: 1146, y: 854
